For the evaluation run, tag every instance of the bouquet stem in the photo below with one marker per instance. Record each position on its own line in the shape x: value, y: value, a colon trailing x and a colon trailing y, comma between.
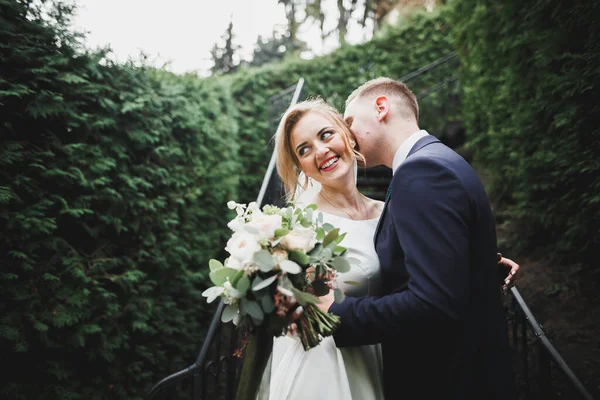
x: 314, y: 325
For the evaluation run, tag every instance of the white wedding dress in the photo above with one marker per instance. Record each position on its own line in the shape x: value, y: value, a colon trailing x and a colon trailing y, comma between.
x: 326, y: 372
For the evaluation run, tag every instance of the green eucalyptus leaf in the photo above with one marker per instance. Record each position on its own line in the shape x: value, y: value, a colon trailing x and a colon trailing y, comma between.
x: 340, y: 264
x: 328, y: 227
x: 320, y: 233
x: 261, y: 284
x: 311, y: 207
x: 339, y: 239
x: 243, y: 284
x: 267, y: 304
x: 309, y: 215
x: 252, y: 309
x: 265, y: 260
x: 290, y: 267
x: 237, y: 277
x: 326, y: 254
x: 306, y: 223
x: 281, y: 232
x: 298, y: 257
x: 219, y: 276
x: 315, y: 250
x: 339, y: 250
x: 331, y: 236
x: 215, y: 264
x: 229, y: 313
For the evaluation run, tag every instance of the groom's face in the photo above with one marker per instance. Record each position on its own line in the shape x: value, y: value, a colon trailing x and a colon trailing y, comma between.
x: 360, y: 116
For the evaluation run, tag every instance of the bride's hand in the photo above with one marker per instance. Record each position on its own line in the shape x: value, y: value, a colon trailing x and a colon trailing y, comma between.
x: 310, y: 273
x: 292, y: 327
x: 326, y: 301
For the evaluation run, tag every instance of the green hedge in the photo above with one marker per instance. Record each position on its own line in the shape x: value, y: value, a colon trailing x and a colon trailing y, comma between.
x: 530, y: 85
x: 402, y: 49
x: 113, y: 184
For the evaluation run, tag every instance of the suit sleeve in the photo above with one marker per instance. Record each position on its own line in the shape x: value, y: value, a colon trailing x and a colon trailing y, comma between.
x: 430, y: 214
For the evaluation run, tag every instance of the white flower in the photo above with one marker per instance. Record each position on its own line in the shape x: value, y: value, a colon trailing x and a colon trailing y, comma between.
x: 231, y: 204
x: 212, y: 293
x: 265, y: 224
x: 300, y: 239
x: 239, y: 210
x: 236, y: 224
x: 233, y: 263
x: 253, y: 206
x: 231, y: 291
x: 242, y: 247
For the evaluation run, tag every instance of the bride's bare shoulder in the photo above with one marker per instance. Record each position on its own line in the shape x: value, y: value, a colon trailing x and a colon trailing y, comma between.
x: 375, y: 207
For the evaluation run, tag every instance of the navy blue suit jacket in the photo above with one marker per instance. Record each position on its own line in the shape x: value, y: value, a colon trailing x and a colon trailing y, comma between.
x: 441, y: 322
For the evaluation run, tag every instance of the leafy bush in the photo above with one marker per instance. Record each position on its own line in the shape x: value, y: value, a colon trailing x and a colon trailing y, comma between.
x: 113, y: 184
x: 530, y: 84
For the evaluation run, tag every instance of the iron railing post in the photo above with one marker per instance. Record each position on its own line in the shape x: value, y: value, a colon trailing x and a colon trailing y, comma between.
x: 545, y: 373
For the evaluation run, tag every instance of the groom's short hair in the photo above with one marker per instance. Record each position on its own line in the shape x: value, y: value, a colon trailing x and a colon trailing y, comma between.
x: 406, y: 99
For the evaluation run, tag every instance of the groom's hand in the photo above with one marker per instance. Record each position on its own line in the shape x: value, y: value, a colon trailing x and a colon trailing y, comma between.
x: 326, y: 301
x: 513, y: 268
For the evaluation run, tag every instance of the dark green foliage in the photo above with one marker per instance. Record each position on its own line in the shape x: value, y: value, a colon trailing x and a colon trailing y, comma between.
x: 531, y: 85
x: 399, y: 51
x: 113, y: 184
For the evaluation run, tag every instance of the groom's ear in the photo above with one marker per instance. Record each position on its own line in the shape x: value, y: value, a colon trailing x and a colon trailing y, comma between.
x: 383, y: 107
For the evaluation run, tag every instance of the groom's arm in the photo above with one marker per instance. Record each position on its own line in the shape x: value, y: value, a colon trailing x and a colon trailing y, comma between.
x: 430, y: 215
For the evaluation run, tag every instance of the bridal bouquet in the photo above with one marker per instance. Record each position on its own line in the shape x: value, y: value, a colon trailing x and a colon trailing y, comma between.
x: 279, y: 259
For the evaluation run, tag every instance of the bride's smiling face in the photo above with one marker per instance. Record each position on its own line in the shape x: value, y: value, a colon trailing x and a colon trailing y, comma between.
x: 321, y: 149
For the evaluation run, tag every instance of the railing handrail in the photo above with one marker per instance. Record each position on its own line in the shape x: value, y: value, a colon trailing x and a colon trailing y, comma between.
x: 410, y: 76
x: 548, y: 346
x: 435, y: 87
x: 271, y: 167
x: 216, y: 320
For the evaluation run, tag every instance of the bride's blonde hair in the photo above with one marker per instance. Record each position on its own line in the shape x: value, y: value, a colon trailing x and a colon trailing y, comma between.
x: 288, y: 166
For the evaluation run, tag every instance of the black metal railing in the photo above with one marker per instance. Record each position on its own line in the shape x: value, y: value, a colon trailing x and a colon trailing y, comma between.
x: 541, y: 372
x: 215, y: 372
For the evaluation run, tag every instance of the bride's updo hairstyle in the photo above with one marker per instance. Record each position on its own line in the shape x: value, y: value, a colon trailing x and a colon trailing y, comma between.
x: 288, y: 166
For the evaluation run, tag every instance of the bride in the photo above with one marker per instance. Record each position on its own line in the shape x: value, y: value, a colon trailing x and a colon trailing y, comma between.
x: 316, y: 160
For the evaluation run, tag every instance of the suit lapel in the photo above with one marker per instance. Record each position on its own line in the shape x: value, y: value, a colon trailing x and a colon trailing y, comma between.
x: 425, y: 141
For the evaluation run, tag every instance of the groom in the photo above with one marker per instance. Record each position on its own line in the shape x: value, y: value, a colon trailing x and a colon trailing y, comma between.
x: 441, y: 323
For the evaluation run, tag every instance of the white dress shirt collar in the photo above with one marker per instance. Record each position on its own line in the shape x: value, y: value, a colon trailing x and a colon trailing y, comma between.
x: 405, y: 147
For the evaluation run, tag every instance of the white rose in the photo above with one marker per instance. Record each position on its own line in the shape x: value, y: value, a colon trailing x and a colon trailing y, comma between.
x: 242, y: 247
x: 266, y: 224
x: 234, y: 263
x: 300, y: 239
